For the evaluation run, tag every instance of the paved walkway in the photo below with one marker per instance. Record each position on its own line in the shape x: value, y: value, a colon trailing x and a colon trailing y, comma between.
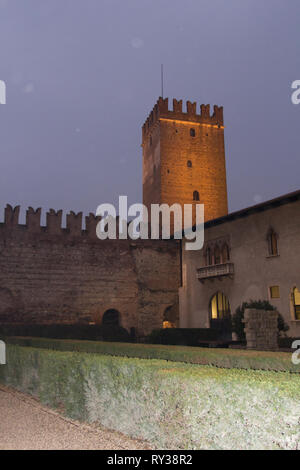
x: 27, y: 425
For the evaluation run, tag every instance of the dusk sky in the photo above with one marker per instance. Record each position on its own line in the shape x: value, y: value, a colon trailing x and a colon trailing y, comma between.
x: 83, y: 75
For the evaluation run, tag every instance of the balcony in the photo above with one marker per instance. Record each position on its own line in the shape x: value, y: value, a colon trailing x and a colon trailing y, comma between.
x: 216, y: 271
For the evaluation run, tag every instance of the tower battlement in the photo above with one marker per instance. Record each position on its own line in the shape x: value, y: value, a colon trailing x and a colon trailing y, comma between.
x: 161, y: 110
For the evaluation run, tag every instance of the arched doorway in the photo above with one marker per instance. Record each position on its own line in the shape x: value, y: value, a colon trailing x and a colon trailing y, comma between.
x: 111, y: 318
x: 170, y: 317
x: 220, y: 315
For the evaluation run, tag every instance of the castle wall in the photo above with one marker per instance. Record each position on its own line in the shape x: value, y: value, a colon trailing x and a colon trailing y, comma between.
x: 254, y: 270
x: 54, y: 275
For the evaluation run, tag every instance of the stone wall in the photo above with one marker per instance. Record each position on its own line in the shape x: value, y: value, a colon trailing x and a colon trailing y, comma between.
x: 261, y: 328
x: 66, y: 275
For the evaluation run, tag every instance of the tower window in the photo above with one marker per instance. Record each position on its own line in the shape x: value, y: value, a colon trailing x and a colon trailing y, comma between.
x: 196, y: 196
x: 189, y: 164
x: 150, y: 140
x: 192, y: 132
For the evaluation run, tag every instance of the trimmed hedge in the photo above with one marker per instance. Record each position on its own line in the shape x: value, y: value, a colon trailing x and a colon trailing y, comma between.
x: 172, y: 406
x: 183, y: 336
x: 68, y: 331
x: 224, y: 358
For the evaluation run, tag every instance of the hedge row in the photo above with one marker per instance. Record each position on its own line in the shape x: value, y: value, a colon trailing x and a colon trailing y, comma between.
x: 172, y: 406
x: 225, y: 358
x: 68, y: 331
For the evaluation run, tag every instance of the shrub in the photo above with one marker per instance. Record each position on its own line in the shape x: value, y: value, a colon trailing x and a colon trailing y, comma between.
x: 182, y: 336
x: 238, y: 317
x: 72, y: 331
x: 170, y: 405
x: 225, y: 358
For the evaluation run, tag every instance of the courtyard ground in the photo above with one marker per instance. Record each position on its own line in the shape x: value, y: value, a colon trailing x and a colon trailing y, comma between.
x: 27, y: 425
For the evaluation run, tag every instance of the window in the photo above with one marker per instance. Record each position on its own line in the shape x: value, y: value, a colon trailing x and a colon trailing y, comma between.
x: 219, y: 306
x: 189, y: 164
x: 192, y: 132
x: 217, y: 255
x: 150, y: 140
x: 208, y: 257
x: 296, y: 301
x: 272, y: 243
x: 274, y: 292
x: 225, y: 253
x: 196, y: 196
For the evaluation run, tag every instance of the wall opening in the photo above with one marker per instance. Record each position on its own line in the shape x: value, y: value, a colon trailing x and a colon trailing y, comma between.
x: 111, y: 318
x: 170, y: 317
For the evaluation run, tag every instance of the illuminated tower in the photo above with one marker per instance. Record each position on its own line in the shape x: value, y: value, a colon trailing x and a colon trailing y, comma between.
x: 184, y: 157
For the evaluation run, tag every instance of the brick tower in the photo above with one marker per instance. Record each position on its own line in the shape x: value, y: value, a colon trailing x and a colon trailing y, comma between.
x: 184, y: 157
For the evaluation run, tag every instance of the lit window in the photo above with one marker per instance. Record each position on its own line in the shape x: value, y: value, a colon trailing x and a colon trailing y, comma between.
x: 196, y: 196
x: 272, y: 243
x: 189, y: 164
x: 219, y: 306
x: 274, y: 292
x: 192, y: 132
x: 168, y: 324
x: 296, y: 300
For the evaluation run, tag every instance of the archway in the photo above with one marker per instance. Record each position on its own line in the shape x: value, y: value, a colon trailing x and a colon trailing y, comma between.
x: 220, y: 315
x: 170, y: 317
x: 111, y: 318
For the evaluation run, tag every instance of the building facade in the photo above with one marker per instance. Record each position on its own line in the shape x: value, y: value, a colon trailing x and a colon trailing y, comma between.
x: 252, y: 254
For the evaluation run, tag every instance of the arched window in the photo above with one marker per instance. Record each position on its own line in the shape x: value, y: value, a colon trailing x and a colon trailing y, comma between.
x: 192, y: 132
x: 189, y: 164
x: 217, y: 255
x: 272, y: 242
x: 208, y: 256
x: 296, y: 301
x: 225, y: 253
x: 196, y: 196
x: 111, y: 318
x: 219, y: 306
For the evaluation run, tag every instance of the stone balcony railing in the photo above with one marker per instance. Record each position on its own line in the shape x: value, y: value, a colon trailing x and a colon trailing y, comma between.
x: 215, y: 271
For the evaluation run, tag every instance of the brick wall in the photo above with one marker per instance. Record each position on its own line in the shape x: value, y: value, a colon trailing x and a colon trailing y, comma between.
x: 167, y: 148
x: 54, y: 275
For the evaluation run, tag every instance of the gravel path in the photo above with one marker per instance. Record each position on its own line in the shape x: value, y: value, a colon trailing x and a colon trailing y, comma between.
x: 25, y: 424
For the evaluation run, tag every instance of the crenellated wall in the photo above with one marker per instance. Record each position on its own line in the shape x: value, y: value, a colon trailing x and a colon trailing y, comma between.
x: 161, y: 110
x: 67, y: 275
